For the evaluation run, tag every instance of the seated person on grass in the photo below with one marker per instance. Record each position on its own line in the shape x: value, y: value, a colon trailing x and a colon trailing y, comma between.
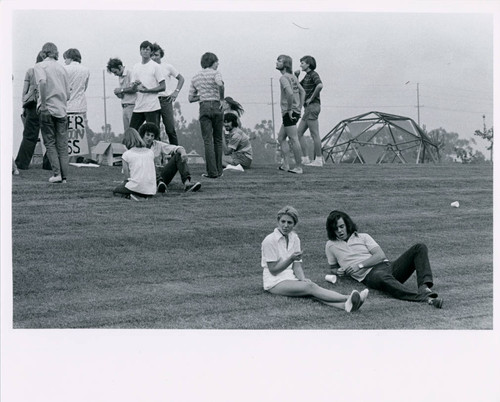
x: 166, y: 170
x: 357, y: 255
x: 238, y: 150
x: 282, y: 267
x: 138, y: 168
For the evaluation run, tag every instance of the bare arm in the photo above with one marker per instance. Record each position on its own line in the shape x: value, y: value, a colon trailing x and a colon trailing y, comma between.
x: 302, y: 95
x: 298, y: 271
x: 159, y: 88
x: 180, y: 83
x: 125, y: 170
x: 275, y: 267
x: 377, y: 256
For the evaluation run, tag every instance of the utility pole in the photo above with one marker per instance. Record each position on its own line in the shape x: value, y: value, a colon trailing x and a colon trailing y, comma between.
x: 272, y: 107
x: 104, y: 87
x: 418, y: 104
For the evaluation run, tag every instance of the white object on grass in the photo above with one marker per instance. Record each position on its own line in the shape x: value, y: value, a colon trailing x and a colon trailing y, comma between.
x: 455, y: 204
x: 83, y: 164
x: 331, y: 278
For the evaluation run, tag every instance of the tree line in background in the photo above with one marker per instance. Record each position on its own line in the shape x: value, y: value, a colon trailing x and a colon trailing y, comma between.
x: 451, y: 147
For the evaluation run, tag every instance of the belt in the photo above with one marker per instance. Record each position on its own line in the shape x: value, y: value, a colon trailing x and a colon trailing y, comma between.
x: 127, y: 104
x: 210, y: 101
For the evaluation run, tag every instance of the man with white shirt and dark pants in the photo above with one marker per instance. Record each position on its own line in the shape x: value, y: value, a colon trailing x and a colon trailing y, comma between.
x: 148, y: 81
x: 168, y: 97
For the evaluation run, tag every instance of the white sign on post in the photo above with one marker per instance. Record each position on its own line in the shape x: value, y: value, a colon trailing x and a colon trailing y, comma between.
x: 77, y: 135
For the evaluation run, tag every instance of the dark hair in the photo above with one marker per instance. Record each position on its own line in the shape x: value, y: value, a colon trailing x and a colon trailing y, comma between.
x: 146, y: 44
x: 208, y: 60
x: 149, y: 128
x: 234, y: 106
x: 49, y: 50
x: 39, y: 57
x: 287, y: 62
x: 311, y: 61
x: 114, y: 63
x: 73, y: 54
x: 231, y: 118
x: 331, y: 224
x: 157, y: 48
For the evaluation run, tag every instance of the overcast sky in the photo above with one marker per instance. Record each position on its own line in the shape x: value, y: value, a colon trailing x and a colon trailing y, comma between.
x: 367, y: 60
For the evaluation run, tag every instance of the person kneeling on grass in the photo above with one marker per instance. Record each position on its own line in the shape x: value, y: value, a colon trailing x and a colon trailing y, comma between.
x: 167, y: 168
x: 238, y: 150
x: 357, y: 255
x: 282, y: 264
x: 138, y: 167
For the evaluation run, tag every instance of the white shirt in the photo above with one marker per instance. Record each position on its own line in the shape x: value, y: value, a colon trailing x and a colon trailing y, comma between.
x: 78, y: 80
x: 169, y: 72
x: 351, y: 252
x: 142, y: 170
x: 150, y: 75
x: 274, y: 249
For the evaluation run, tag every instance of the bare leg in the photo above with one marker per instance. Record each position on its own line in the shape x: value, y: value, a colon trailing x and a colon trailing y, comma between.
x: 291, y: 132
x: 302, y: 128
x: 285, y: 150
x: 314, y: 130
x: 301, y: 289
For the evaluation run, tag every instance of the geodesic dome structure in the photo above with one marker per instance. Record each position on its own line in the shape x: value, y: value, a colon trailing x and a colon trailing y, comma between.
x: 377, y: 137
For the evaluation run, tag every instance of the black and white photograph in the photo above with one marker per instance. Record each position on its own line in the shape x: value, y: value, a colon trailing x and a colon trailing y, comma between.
x: 249, y: 201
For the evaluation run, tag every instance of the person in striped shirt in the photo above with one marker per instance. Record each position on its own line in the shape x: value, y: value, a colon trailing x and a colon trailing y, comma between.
x: 207, y: 88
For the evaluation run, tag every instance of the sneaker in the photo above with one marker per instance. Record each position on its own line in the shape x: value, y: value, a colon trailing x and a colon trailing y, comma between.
x: 305, y: 160
x: 364, y: 295
x: 238, y: 168
x: 55, y: 179
x: 209, y: 177
x: 162, y: 187
x: 15, y: 172
x: 193, y: 187
x: 297, y: 170
x: 283, y: 168
x: 316, y: 162
x: 435, y: 302
x: 64, y: 181
x: 354, y: 302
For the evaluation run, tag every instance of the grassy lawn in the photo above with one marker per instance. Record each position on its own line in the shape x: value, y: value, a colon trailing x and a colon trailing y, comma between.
x: 85, y: 259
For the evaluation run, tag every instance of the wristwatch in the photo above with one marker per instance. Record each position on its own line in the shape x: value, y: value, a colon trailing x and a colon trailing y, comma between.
x: 360, y: 266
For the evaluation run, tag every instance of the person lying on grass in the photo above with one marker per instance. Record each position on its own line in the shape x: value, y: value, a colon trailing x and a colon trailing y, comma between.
x: 167, y: 168
x: 282, y: 264
x: 357, y: 255
x: 138, y: 168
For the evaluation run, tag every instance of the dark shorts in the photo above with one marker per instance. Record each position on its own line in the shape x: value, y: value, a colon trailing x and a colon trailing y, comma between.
x: 311, y: 111
x: 288, y: 122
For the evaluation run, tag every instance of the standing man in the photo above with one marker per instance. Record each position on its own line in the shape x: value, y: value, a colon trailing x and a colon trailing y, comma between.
x: 167, y: 97
x: 126, y: 91
x: 207, y: 87
x: 30, y: 117
x: 78, y: 82
x: 312, y: 107
x: 148, y: 81
x: 53, y: 94
x: 292, y: 99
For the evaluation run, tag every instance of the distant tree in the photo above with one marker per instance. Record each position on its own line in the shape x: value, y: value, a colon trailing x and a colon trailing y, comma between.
x: 447, y: 144
x: 487, y: 135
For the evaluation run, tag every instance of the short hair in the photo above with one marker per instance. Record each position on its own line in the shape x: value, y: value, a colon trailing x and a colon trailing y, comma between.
x: 146, y: 44
x: 287, y: 62
x: 231, y: 118
x: 149, y: 128
x: 208, y: 59
x: 39, y: 57
x: 73, y: 54
x: 311, y: 61
x: 49, y: 50
x: 290, y: 211
x: 234, y: 106
x: 331, y: 224
x: 113, y: 63
x: 157, y: 48
x: 131, y: 139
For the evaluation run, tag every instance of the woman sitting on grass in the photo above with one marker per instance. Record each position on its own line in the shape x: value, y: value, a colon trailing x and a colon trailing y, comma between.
x: 283, y: 274
x: 138, y: 168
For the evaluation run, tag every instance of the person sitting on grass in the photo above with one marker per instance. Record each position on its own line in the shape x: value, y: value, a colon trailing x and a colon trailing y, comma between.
x: 357, y: 255
x: 238, y: 150
x: 138, y: 167
x: 169, y: 159
x: 282, y: 267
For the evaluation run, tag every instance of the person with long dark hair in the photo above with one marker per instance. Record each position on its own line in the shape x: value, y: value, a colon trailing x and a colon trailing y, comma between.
x: 358, y: 256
